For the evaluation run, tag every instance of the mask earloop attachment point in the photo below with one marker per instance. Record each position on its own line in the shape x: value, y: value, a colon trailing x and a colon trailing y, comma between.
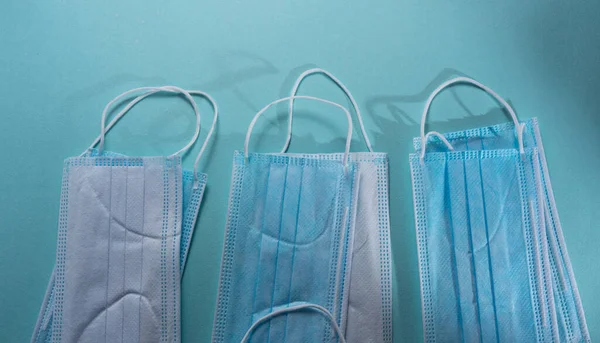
x: 86, y: 151
x: 213, y: 103
x: 425, y: 139
x: 520, y: 128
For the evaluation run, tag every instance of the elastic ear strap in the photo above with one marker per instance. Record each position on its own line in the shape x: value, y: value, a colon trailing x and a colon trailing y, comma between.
x: 462, y: 79
x: 151, y: 90
x: 314, y: 307
x: 193, y: 92
x: 348, y: 117
x: 339, y: 83
x: 213, y: 103
x: 121, y: 114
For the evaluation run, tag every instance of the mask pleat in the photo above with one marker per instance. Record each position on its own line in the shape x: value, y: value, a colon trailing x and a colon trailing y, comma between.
x: 482, y: 261
x: 249, y: 239
x: 441, y: 263
x: 289, y: 238
x: 135, y: 225
x: 116, y: 254
x: 269, y: 247
x: 458, y: 217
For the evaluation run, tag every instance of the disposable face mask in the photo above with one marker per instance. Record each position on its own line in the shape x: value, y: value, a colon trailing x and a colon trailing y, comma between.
x: 323, y: 219
x: 192, y: 198
x: 571, y: 320
x: 483, y: 235
x: 287, y: 244
x: 193, y: 185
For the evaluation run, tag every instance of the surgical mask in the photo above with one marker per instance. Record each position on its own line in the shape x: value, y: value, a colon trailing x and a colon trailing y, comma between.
x: 323, y: 219
x: 572, y: 326
x: 193, y: 184
x: 287, y: 243
x: 192, y: 198
x: 482, y: 234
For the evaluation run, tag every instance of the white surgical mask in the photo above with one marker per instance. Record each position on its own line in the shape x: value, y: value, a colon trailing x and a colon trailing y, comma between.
x: 122, y: 244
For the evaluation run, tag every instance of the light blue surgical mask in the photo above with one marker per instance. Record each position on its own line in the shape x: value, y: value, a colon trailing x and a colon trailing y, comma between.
x: 193, y: 185
x: 482, y: 230
x: 572, y: 326
x: 288, y: 243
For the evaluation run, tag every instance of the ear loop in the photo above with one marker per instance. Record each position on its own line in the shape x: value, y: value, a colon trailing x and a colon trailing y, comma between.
x: 424, y: 137
x: 172, y: 89
x: 313, y: 307
x: 348, y: 117
x: 150, y: 91
x: 339, y: 83
x: 153, y: 90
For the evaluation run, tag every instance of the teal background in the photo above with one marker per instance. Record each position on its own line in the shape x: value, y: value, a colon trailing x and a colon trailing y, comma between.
x: 62, y: 61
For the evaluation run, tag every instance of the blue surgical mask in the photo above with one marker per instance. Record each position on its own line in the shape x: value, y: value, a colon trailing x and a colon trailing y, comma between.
x: 287, y: 243
x: 571, y: 320
x: 487, y: 248
x: 192, y: 189
x: 291, y: 232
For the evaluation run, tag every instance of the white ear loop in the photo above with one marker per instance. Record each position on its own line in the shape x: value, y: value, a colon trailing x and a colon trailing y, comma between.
x: 348, y: 117
x: 169, y: 88
x: 424, y: 137
x: 152, y: 90
x: 213, y: 103
x: 299, y: 80
x: 314, y: 307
